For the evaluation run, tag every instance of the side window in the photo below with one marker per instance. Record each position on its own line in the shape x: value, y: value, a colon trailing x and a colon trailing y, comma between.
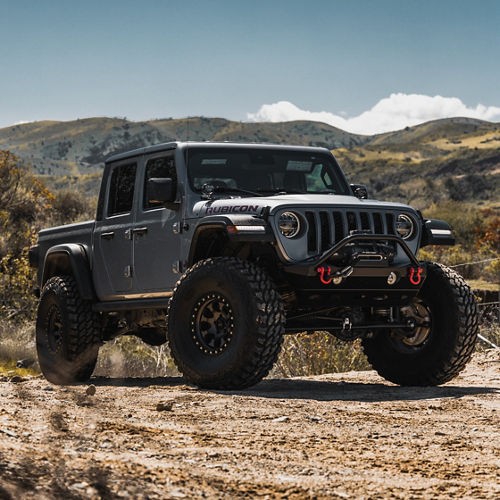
x: 157, y: 168
x: 121, y: 189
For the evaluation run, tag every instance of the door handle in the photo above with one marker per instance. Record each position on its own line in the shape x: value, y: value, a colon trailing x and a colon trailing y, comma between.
x: 140, y: 230
x: 108, y: 236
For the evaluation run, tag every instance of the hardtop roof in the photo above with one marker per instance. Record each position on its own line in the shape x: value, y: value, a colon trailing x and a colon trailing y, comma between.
x: 209, y: 144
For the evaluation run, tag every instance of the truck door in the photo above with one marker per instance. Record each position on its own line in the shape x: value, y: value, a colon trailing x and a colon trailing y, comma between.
x: 113, y: 273
x: 156, y: 246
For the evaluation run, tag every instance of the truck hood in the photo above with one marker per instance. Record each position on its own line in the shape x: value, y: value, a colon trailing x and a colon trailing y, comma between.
x: 254, y: 205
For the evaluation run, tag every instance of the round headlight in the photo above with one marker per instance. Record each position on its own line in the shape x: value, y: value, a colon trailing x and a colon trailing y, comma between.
x: 405, y: 226
x: 289, y: 224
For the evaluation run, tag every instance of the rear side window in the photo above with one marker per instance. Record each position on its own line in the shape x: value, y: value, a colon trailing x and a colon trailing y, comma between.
x: 121, y: 189
x: 158, y: 168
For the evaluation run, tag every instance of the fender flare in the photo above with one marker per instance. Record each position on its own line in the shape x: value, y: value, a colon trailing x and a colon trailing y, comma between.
x: 70, y: 258
x: 436, y: 232
x: 221, y: 223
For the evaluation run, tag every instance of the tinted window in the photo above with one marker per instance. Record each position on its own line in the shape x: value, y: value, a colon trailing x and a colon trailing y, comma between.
x: 262, y: 170
x: 158, y: 168
x: 121, y: 189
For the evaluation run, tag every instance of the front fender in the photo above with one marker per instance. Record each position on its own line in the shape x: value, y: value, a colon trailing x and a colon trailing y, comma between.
x: 436, y: 232
x: 236, y: 227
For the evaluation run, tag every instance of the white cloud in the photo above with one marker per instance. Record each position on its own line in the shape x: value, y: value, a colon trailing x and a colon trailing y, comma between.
x: 391, y: 113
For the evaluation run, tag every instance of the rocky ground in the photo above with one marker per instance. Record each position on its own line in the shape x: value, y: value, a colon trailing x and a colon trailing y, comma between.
x: 348, y: 435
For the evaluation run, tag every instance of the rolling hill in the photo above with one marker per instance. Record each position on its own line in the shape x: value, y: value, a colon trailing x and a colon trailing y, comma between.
x: 81, y: 146
x: 455, y: 158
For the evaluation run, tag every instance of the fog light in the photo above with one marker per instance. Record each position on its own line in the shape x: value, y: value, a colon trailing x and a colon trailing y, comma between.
x: 392, y: 278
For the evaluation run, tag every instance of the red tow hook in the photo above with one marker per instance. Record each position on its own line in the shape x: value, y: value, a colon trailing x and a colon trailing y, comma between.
x: 416, y: 275
x: 321, y: 272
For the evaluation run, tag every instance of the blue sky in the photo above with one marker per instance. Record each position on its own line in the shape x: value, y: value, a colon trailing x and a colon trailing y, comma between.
x: 151, y: 58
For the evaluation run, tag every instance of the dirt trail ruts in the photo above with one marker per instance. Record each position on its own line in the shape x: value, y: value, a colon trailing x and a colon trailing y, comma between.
x: 348, y: 435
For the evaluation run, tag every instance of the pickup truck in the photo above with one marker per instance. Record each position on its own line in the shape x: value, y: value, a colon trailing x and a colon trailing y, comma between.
x: 221, y: 249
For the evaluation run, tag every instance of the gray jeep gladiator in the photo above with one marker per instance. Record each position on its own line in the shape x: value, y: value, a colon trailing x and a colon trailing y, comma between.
x: 221, y: 249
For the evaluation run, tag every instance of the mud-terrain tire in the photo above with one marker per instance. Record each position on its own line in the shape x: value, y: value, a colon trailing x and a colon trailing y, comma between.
x: 67, y: 335
x: 450, y: 340
x: 225, y: 324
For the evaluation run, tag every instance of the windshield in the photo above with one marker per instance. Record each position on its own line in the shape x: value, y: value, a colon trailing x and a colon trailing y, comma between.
x: 264, y: 171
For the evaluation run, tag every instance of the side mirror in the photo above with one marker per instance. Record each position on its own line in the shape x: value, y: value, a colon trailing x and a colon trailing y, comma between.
x: 360, y: 191
x: 160, y: 190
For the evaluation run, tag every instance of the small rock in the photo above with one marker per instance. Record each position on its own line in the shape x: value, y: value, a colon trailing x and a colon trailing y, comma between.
x: 177, y: 493
x: 25, y: 363
x: 313, y: 418
x: 47, y: 388
x: 16, y: 379
x: 79, y: 486
x: 9, y: 433
x: 164, y: 406
x: 439, y: 433
x: 91, y: 390
x: 284, y: 418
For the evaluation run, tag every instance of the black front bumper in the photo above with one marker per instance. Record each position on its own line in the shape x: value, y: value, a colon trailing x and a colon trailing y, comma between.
x: 372, y: 272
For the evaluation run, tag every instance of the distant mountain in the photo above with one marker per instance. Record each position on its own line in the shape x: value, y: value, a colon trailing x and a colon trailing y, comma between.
x: 435, y: 129
x: 81, y: 146
x: 457, y: 158
x: 454, y: 158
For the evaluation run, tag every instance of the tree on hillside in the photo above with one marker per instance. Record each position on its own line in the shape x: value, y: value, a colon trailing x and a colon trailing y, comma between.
x: 24, y: 203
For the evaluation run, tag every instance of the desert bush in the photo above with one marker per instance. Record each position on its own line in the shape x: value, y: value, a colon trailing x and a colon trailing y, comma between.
x: 69, y: 206
x: 318, y: 353
x: 130, y: 357
x: 477, y: 231
x: 16, y: 342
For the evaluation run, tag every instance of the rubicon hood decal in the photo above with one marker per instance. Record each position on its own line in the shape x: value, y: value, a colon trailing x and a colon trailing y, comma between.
x: 232, y: 209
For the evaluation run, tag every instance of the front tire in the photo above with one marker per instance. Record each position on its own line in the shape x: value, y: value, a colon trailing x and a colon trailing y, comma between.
x: 225, y: 324
x: 67, y: 336
x: 438, y: 352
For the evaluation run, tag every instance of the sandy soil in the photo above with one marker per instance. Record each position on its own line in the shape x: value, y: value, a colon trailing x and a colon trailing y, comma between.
x: 347, y: 435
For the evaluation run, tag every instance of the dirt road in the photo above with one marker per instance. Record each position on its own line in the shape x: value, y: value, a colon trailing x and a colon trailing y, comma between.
x: 337, y: 436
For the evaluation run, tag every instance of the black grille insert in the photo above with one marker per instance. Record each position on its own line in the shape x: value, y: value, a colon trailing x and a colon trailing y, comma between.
x: 352, y: 222
x: 377, y: 223
x: 325, y: 231
x: 312, y: 236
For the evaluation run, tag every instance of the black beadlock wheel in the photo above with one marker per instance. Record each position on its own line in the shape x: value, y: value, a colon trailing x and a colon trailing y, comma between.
x: 67, y: 335
x: 441, y: 344
x: 225, y: 324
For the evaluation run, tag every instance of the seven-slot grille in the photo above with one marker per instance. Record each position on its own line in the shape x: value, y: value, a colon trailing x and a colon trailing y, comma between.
x: 327, y: 227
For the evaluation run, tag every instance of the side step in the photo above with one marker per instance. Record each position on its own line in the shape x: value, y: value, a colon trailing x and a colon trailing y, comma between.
x: 131, y: 304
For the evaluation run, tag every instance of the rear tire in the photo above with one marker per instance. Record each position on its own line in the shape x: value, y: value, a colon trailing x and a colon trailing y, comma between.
x: 225, y: 324
x: 439, y: 354
x: 67, y: 335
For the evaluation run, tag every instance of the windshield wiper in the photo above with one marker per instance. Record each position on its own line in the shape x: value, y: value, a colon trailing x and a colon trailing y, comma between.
x: 281, y: 191
x: 236, y: 190
x: 209, y: 190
